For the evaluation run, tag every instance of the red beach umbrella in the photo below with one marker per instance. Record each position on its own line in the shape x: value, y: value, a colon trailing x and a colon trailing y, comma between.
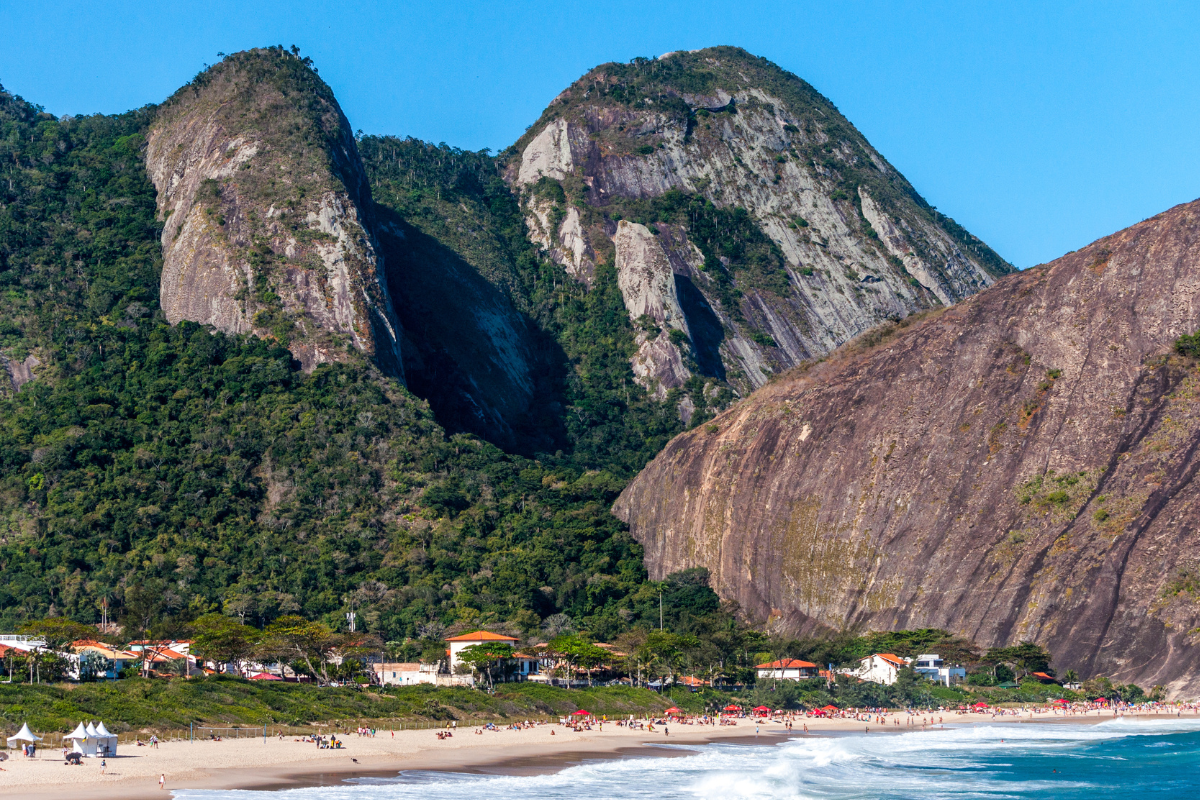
x: 980, y: 704
x: 733, y: 708
x: 672, y: 710
x: 581, y: 713
x: 829, y: 708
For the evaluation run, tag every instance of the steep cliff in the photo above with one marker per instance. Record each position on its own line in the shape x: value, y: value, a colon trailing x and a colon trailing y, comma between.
x: 792, y: 233
x: 470, y: 349
x: 1017, y: 467
x: 267, y: 212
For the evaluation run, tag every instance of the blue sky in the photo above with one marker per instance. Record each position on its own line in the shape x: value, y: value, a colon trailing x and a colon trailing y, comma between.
x: 1038, y: 126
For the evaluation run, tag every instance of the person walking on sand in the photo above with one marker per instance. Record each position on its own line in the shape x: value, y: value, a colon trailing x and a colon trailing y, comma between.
x: 162, y: 781
x: 103, y: 766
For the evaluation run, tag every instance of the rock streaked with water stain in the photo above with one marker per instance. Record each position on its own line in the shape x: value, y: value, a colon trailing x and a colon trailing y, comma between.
x: 1018, y: 467
x: 266, y: 213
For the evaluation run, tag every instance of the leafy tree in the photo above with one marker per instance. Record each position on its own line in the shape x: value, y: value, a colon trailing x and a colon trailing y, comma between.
x: 295, y: 638
x: 487, y: 659
x: 218, y: 638
x: 578, y: 652
x: 58, y: 632
x: 1027, y: 657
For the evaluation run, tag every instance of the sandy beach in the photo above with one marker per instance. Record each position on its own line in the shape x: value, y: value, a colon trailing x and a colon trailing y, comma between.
x: 275, y: 763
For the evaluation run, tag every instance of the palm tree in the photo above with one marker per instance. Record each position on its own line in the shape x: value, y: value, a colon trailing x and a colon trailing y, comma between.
x: 1070, y: 676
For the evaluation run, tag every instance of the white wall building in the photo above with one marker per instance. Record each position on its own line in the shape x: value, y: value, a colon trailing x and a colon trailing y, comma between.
x: 931, y: 666
x: 405, y: 673
x: 457, y: 644
x: 880, y: 668
x: 788, y: 669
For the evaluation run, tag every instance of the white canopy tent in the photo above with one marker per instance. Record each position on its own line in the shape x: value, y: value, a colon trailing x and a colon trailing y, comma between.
x: 81, y: 742
x: 93, y: 740
x: 106, y: 743
x: 22, y: 737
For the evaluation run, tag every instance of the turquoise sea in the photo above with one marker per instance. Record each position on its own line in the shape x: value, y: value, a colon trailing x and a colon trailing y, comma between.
x: 1116, y: 758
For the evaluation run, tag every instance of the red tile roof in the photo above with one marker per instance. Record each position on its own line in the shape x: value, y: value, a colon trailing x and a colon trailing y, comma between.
x: 481, y: 636
x: 891, y: 658
x: 788, y: 663
x: 164, y: 654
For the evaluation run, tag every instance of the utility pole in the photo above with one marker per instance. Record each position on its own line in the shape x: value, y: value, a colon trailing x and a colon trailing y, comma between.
x: 660, y: 617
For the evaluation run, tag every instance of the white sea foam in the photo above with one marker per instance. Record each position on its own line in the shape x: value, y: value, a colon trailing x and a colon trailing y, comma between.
x: 954, y: 762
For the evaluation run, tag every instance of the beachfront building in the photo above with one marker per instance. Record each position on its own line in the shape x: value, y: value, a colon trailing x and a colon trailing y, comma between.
x: 405, y: 673
x: 880, y: 668
x: 21, y: 643
x: 787, y: 669
x: 457, y: 644
x: 104, y: 662
x: 930, y: 665
x: 526, y: 666
x: 160, y: 655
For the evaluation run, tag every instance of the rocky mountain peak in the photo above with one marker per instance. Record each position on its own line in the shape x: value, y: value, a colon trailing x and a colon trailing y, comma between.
x: 803, y: 235
x: 267, y: 212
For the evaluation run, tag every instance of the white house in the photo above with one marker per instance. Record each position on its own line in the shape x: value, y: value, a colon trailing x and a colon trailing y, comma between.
x: 405, y: 673
x: 931, y: 666
x: 457, y: 644
x: 788, y: 669
x: 880, y: 668
x: 107, y: 661
x: 528, y: 665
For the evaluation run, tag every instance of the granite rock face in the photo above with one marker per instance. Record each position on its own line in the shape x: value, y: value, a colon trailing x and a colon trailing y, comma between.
x: 267, y: 213
x: 18, y: 373
x: 647, y: 285
x: 855, y: 244
x: 1017, y: 467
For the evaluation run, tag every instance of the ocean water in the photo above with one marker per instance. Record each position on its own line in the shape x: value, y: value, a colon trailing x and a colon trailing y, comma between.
x: 1124, y: 758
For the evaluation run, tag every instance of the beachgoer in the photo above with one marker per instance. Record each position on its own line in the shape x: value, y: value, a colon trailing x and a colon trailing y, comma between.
x: 162, y: 781
x: 103, y: 766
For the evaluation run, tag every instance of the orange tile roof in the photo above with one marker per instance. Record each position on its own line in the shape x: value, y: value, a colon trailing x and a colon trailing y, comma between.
x: 481, y: 636
x: 165, y: 654
x: 894, y: 659
x: 788, y: 663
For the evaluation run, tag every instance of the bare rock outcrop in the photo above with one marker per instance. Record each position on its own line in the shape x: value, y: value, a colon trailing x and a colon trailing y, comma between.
x: 1020, y: 466
x: 19, y: 372
x: 266, y: 210
x: 647, y: 285
x: 852, y: 243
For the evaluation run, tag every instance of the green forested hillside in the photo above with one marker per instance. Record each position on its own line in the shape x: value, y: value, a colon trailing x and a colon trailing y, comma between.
x: 587, y: 404
x: 171, y: 471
